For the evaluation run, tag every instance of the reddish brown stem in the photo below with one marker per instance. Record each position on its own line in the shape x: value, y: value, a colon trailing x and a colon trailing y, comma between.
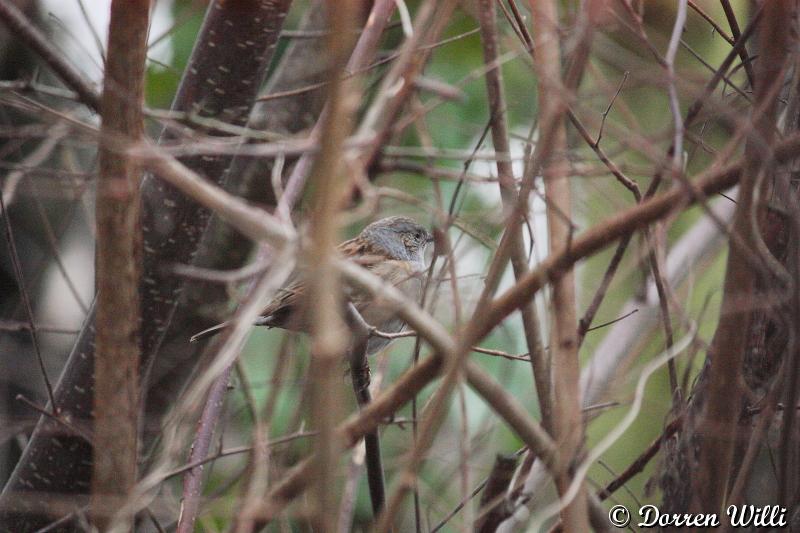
x: 119, y: 266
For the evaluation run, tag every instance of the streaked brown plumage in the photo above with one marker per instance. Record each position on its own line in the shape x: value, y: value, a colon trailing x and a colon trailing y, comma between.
x: 391, y: 248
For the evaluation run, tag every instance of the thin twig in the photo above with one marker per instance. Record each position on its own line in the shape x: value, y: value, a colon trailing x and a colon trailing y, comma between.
x: 669, y: 59
x: 193, y: 478
x: 35, y: 39
x: 14, y: 325
x: 610, y: 105
x: 26, y: 301
x: 227, y: 452
x: 640, y: 462
x: 610, y: 322
x: 57, y: 417
x: 363, y: 52
x: 711, y: 21
x: 734, y: 24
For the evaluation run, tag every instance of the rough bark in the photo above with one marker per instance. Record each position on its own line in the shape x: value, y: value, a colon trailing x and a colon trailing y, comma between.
x: 116, y: 399
x: 746, y: 349
x: 222, y: 247
x: 224, y: 73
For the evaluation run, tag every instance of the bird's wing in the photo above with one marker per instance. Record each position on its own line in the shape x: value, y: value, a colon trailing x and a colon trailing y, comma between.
x: 362, y: 253
x: 280, y: 310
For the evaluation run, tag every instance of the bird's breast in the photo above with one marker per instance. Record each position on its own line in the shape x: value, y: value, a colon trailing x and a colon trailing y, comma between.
x: 407, y: 277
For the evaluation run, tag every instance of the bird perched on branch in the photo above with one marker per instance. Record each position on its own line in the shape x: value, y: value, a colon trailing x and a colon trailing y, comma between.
x: 392, y: 248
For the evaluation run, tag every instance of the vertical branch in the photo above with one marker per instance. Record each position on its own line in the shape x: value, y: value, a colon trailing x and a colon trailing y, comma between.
x: 26, y: 301
x: 360, y: 372
x: 509, y: 196
x: 734, y: 24
x: 193, y: 480
x: 716, y: 426
x: 567, y: 420
x: 669, y: 60
x: 329, y: 333
x: 226, y: 69
x: 224, y: 72
x: 116, y: 395
x: 494, y: 507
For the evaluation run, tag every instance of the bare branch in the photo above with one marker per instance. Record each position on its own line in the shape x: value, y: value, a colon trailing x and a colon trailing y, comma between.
x: 22, y: 27
x: 567, y: 423
x: 119, y: 268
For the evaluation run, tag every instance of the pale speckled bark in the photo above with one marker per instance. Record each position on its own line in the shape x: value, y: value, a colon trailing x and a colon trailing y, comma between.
x: 222, y: 247
x: 223, y: 76
x: 225, y: 71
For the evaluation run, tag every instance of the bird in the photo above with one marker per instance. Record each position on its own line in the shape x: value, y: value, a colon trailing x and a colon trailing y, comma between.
x: 392, y: 248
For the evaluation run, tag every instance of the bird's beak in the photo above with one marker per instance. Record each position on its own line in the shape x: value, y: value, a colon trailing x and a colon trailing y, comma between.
x: 429, y: 239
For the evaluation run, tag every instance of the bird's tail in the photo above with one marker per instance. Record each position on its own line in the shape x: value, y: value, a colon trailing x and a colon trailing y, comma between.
x: 210, y: 332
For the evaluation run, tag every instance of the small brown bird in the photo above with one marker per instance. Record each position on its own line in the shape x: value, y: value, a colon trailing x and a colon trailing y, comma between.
x: 392, y: 248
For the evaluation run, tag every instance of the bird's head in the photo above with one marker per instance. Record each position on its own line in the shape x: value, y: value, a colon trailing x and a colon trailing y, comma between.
x: 401, y: 237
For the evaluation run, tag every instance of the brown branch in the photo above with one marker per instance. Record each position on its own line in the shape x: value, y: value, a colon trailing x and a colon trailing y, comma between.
x: 598, y: 237
x: 360, y: 373
x: 734, y: 24
x: 323, y: 306
x: 567, y: 420
x: 19, y: 24
x: 84, y: 433
x: 697, y: 106
x: 119, y: 268
x: 193, y: 479
x: 585, y: 322
x: 540, y: 359
x: 398, y: 84
x: 716, y: 425
x: 640, y: 462
x: 493, y: 510
x: 250, y: 220
x: 711, y: 21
